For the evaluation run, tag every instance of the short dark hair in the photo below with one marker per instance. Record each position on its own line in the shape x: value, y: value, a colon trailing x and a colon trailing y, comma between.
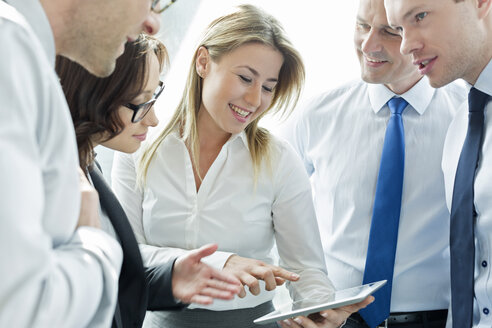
x: 94, y: 101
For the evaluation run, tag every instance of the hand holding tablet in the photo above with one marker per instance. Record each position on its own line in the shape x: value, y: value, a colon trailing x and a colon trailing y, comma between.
x: 306, y: 307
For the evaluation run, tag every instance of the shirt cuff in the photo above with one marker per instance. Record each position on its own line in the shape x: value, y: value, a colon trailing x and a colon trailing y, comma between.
x: 217, y: 260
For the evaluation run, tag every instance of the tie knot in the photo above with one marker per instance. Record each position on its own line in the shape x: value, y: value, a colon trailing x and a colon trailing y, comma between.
x: 477, y: 100
x: 397, y: 105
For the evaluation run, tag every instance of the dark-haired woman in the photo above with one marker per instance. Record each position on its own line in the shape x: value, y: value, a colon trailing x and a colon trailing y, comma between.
x: 116, y: 112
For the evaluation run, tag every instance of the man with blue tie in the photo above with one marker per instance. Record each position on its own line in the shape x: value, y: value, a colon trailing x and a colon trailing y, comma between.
x: 373, y: 151
x: 445, y: 51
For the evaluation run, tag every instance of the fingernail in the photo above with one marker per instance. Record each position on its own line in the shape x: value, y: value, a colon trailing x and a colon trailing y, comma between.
x: 295, y: 276
x: 323, y: 314
x: 298, y: 320
x: 287, y: 322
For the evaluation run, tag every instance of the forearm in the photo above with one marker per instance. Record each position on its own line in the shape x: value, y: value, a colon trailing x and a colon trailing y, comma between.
x: 159, y: 282
x: 72, y: 285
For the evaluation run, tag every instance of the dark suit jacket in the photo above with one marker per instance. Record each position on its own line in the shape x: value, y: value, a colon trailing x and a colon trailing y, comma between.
x: 140, y: 288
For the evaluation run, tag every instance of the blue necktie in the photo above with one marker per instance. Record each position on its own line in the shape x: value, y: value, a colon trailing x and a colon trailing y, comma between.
x: 462, y: 245
x: 380, y: 260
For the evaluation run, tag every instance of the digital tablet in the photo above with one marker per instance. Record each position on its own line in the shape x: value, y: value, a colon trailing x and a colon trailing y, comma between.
x: 305, y: 307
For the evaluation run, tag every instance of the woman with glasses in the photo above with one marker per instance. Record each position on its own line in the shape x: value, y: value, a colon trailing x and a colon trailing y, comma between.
x: 214, y: 175
x: 116, y: 112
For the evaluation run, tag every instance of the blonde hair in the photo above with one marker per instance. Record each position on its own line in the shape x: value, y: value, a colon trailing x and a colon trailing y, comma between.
x: 248, y: 24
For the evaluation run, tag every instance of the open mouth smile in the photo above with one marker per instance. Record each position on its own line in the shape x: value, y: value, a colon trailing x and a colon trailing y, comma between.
x: 239, y: 111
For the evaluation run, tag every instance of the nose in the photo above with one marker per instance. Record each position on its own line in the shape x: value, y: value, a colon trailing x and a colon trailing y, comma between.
x: 253, y: 96
x: 371, y: 42
x: 410, y: 43
x: 150, y: 119
x: 152, y: 23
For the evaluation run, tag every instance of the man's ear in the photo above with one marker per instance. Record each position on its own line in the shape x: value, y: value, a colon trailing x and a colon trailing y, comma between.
x: 202, y: 63
x: 483, y: 7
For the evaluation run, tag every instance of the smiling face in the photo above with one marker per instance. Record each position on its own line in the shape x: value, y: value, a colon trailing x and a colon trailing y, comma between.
x: 444, y: 37
x: 378, y: 49
x: 238, y: 87
x: 133, y: 134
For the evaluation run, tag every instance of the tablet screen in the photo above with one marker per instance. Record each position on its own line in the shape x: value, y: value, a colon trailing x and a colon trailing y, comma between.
x: 307, y: 306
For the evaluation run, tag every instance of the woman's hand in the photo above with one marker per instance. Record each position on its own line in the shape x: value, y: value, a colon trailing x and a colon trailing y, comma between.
x: 332, y: 318
x: 197, y: 282
x: 250, y: 271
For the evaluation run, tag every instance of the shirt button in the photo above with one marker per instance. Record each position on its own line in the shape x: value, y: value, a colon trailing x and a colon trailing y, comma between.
x: 486, y: 311
x: 484, y: 264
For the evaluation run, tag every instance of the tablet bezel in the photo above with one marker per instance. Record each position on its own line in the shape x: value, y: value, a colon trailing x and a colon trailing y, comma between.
x: 274, y: 316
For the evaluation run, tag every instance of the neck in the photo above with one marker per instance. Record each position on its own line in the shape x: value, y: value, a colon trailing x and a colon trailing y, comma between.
x: 480, y: 63
x: 401, y: 88
x: 58, y: 13
x: 483, y: 54
x: 210, y: 135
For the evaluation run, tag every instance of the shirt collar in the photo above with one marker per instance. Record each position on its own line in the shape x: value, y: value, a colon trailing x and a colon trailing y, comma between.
x: 37, y: 19
x: 241, y: 136
x: 484, y: 81
x: 238, y: 136
x: 419, y: 96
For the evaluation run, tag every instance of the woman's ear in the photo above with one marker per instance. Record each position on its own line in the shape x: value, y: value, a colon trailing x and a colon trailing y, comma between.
x: 202, y: 63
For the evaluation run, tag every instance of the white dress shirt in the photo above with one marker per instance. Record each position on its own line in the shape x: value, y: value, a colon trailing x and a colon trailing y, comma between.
x: 339, y: 136
x: 170, y: 217
x: 51, y: 274
x: 482, y: 317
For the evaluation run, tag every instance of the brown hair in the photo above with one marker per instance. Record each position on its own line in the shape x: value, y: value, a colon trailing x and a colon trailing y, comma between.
x: 94, y: 101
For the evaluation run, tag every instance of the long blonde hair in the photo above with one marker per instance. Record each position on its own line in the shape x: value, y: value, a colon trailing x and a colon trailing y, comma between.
x: 245, y: 25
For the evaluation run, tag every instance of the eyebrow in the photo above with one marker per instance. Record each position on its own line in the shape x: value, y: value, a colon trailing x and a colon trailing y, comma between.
x: 255, y: 73
x: 361, y: 20
x: 410, y: 12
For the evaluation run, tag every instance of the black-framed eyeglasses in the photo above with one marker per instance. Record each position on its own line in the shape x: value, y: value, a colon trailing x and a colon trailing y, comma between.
x: 158, y: 6
x: 139, y: 111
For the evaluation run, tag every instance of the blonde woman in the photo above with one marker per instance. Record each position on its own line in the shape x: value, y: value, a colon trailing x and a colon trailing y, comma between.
x: 213, y: 175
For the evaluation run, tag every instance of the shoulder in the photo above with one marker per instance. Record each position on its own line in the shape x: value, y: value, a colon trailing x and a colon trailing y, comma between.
x: 282, y: 151
x: 287, y: 167
x: 26, y: 75
x: 13, y: 26
x: 24, y: 49
x: 9, y: 15
x: 334, y: 99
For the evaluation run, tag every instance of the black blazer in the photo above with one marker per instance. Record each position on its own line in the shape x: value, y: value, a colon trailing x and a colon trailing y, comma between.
x: 140, y: 288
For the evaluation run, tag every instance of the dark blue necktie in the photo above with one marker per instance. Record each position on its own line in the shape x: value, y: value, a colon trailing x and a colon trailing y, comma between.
x: 462, y: 245
x: 380, y: 260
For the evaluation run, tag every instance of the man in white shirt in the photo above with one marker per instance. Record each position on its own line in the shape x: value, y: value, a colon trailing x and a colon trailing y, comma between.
x: 449, y: 40
x: 340, y: 137
x: 58, y: 269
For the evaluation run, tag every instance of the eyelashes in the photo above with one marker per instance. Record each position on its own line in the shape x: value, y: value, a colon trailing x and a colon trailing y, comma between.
x: 248, y: 81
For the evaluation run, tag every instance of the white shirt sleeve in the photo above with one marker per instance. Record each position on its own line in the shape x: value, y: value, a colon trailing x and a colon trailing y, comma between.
x: 51, y: 276
x: 296, y: 132
x: 296, y: 229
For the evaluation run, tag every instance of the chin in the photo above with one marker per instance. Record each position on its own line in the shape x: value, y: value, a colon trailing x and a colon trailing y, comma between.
x: 438, y: 82
x: 370, y: 79
x: 129, y: 149
x: 102, y: 68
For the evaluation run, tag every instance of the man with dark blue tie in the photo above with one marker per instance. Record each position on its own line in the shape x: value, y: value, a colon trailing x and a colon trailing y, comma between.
x: 448, y: 40
x: 373, y: 151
